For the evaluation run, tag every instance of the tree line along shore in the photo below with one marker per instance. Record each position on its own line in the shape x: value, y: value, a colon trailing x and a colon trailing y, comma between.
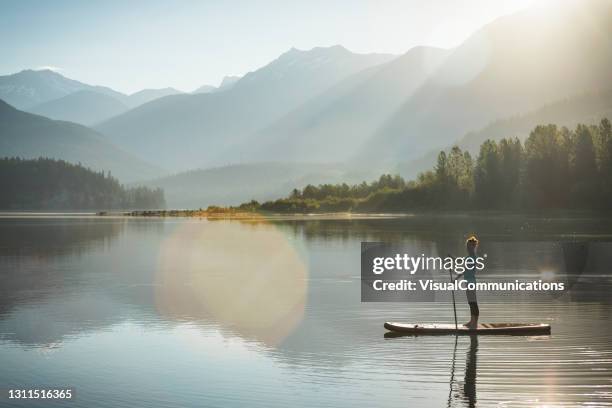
x: 48, y: 184
x: 555, y: 168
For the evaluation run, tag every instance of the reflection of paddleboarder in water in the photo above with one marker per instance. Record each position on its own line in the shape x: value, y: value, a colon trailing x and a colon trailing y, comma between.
x: 470, y: 276
x: 467, y: 392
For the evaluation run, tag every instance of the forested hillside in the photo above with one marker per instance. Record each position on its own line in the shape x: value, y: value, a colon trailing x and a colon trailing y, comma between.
x: 44, y: 184
x: 569, y: 112
x: 31, y: 136
x: 556, y: 168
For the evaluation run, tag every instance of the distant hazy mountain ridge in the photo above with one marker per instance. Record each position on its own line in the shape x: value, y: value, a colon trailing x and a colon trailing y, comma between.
x: 187, y: 131
x: 237, y: 183
x: 29, y: 88
x: 226, y: 83
x: 331, y: 126
x: 31, y: 136
x: 50, y: 94
x: 85, y: 107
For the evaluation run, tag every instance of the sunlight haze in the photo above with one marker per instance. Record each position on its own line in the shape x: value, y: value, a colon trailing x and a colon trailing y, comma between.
x: 130, y: 46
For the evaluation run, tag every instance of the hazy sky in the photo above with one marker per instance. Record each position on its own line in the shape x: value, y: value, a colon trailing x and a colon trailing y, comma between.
x: 130, y: 45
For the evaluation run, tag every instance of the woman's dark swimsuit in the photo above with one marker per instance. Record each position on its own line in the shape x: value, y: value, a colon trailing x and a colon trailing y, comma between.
x: 470, y: 277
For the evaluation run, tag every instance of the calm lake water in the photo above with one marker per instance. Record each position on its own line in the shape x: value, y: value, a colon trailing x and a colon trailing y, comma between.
x: 196, y: 313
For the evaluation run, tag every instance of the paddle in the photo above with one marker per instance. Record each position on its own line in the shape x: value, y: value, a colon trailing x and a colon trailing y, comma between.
x: 450, y: 392
x: 450, y: 272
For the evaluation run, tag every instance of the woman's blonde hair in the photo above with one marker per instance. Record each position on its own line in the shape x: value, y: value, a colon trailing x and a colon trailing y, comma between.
x: 472, y: 239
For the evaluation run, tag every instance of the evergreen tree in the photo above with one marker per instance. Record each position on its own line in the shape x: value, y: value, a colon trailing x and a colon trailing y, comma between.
x: 583, y: 168
x: 511, y: 159
x: 604, y: 132
x: 442, y: 169
x: 546, y: 168
x: 487, y: 176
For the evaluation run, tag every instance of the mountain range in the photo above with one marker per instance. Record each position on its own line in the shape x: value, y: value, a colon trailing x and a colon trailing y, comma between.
x: 50, y: 94
x: 328, y: 104
x: 329, y: 127
x: 186, y: 131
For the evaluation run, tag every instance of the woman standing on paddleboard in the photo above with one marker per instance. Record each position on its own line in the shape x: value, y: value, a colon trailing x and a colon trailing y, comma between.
x: 470, y: 276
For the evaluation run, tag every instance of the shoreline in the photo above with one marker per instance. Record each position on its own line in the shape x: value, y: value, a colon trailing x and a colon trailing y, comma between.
x: 246, y: 215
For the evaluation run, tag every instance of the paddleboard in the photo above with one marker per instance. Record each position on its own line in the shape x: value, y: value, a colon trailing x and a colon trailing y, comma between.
x: 483, y: 328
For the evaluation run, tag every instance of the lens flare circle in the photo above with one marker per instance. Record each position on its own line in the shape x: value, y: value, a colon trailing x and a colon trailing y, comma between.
x: 247, y: 278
